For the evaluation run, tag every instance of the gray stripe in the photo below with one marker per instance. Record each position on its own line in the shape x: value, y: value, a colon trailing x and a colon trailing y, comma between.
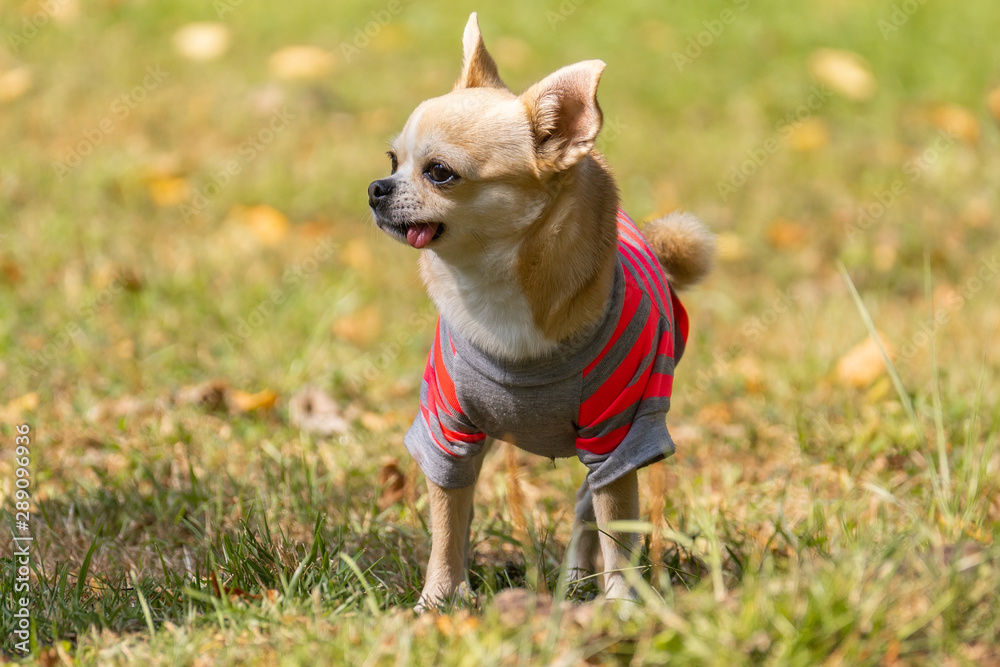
x: 619, y: 351
x: 642, y: 271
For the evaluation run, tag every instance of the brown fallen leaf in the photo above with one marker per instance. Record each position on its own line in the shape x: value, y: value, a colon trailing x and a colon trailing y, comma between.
x: 314, y: 411
x: 862, y: 364
x: 360, y: 327
x: 786, y: 234
x: 267, y: 224
x: 210, y: 396
x: 242, y: 401
x: 202, y: 41
x: 845, y: 72
x: 392, y: 482
x: 233, y: 593
x: 11, y: 272
x: 957, y: 121
x: 168, y: 191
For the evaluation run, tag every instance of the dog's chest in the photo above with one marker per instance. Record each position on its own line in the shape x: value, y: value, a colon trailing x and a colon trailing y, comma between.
x: 541, y: 419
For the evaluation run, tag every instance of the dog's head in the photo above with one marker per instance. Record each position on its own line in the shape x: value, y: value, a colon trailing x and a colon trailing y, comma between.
x: 476, y: 165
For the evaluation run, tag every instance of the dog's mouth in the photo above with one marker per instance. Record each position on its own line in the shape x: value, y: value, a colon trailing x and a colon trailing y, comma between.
x: 418, y: 235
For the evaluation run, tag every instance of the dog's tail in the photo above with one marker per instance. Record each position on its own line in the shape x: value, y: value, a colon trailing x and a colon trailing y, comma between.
x: 684, y: 246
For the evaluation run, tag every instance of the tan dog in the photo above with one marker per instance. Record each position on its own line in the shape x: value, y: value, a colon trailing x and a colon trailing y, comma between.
x: 535, y: 272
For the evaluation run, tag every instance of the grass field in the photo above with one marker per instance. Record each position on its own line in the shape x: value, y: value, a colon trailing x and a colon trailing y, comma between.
x: 185, y: 244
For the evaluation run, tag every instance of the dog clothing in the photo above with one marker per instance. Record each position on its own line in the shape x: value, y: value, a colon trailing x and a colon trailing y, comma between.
x: 603, y: 398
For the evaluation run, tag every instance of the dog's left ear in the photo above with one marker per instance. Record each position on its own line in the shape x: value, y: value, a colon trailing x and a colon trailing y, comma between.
x: 564, y: 114
x: 479, y: 70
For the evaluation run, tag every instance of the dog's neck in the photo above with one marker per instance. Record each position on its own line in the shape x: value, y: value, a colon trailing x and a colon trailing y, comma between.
x: 524, y: 301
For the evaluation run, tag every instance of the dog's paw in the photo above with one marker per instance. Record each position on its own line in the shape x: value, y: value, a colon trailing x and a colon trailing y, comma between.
x: 433, y: 601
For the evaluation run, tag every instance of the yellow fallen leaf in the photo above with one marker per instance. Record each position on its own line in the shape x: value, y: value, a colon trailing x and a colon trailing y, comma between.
x: 15, y: 409
x: 300, y: 62
x: 863, y: 363
x: 811, y: 134
x: 786, y: 234
x: 242, y: 401
x: 730, y: 247
x: 957, y: 121
x: 267, y: 224
x: 202, y: 41
x: 357, y: 255
x: 14, y: 83
x: 844, y: 71
x: 360, y: 327
x: 168, y: 191
x: 993, y: 102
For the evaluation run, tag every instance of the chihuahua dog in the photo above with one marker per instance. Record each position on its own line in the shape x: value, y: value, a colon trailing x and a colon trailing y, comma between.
x: 559, y: 326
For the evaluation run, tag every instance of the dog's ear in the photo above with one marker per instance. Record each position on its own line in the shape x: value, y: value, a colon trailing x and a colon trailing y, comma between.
x: 564, y: 114
x: 478, y: 68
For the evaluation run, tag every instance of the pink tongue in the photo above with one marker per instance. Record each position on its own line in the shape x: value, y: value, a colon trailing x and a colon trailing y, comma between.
x: 421, y: 234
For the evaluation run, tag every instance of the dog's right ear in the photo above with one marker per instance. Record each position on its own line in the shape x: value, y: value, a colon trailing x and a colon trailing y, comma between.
x: 478, y: 67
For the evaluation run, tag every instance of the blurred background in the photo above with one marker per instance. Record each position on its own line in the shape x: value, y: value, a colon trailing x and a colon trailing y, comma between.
x: 185, y: 242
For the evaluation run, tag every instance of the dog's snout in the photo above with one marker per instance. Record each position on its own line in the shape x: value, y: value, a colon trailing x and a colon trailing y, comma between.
x: 379, y: 190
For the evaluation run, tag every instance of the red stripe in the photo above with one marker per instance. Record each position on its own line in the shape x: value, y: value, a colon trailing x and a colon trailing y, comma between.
x: 660, y: 385
x: 616, y: 388
x: 605, y: 443
x: 633, y: 297
x: 444, y: 380
x: 458, y: 436
x: 653, y: 269
x: 431, y: 431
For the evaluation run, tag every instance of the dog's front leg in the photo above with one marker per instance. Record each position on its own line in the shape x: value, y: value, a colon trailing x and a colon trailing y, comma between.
x: 451, y: 522
x: 617, y: 501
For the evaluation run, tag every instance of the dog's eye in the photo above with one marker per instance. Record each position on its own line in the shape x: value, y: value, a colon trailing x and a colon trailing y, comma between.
x: 439, y: 173
x: 395, y: 162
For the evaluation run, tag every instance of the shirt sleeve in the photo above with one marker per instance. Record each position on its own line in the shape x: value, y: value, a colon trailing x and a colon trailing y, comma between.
x: 442, y: 439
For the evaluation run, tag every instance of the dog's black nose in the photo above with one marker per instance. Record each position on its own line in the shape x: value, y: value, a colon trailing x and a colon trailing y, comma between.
x: 379, y: 190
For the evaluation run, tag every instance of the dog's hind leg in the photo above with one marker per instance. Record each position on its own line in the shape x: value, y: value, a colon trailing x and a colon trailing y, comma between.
x: 451, y: 523
x: 581, y: 560
x: 617, y: 501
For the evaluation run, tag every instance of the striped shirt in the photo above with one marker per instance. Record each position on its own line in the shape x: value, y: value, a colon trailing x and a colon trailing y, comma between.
x: 602, y: 398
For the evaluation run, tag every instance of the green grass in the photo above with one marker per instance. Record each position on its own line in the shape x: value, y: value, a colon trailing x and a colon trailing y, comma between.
x: 804, y: 520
